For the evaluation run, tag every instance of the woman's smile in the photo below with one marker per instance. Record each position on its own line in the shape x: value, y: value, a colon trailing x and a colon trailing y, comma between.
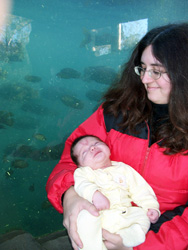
x: 158, y: 91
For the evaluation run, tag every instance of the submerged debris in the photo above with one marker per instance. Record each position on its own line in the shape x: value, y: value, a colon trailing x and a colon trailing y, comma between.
x: 68, y: 73
x: 9, y: 173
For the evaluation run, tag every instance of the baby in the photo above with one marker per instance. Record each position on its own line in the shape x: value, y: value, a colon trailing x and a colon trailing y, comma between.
x: 113, y: 187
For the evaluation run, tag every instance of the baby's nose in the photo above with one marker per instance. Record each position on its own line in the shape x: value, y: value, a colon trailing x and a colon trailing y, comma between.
x: 92, y: 148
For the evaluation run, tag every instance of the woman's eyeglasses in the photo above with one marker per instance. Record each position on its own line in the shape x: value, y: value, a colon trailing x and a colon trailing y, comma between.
x: 154, y: 74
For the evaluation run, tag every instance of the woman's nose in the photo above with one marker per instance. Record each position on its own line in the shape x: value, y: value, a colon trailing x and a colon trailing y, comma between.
x: 146, y: 78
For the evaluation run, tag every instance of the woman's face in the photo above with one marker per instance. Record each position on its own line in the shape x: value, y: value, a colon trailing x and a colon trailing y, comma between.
x: 158, y: 91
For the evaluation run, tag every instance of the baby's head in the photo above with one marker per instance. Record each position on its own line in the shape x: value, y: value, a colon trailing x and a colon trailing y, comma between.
x: 89, y: 150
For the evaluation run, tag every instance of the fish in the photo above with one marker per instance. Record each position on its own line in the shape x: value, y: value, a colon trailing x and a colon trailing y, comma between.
x: 17, y: 92
x: 39, y: 137
x: 46, y: 204
x: 48, y: 153
x: 6, y: 118
x: 100, y: 74
x: 2, y: 126
x: 72, y: 102
x: 18, y: 163
x: 32, y: 187
x: 68, y: 73
x: 32, y: 78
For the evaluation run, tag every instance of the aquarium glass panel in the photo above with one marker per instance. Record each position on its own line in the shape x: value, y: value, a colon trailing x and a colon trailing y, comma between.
x: 57, y: 59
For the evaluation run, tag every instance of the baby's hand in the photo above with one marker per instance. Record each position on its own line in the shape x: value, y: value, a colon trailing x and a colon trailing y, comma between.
x: 153, y: 215
x: 100, y: 201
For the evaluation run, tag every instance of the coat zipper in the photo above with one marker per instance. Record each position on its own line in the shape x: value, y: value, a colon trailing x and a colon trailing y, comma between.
x: 147, y: 152
x: 145, y: 160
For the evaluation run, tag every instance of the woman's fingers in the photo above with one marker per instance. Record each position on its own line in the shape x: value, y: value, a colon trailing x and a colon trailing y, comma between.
x: 91, y: 208
x: 73, y: 204
x: 76, y: 241
x: 113, y: 241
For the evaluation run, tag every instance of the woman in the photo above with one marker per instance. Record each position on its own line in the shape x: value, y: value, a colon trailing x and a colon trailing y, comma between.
x: 144, y: 121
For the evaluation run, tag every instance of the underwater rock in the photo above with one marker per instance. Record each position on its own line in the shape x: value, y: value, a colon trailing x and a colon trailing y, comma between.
x: 68, y: 73
x: 6, y: 118
x: 17, y: 92
x: 100, y: 74
x: 72, y: 102
x: 18, y: 163
x: 32, y: 78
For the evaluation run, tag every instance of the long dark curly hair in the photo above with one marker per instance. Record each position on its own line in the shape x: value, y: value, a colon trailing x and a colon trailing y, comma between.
x: 128, y: 95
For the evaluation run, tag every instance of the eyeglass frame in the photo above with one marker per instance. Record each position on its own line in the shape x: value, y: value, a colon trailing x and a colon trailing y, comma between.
x: 150, y: 72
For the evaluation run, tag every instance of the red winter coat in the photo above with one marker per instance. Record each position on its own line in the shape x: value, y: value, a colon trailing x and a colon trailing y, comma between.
x: 167, y: 175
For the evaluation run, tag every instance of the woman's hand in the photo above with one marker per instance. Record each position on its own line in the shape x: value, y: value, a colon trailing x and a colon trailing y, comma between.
x: 72, y: 205
x: 113, y: 241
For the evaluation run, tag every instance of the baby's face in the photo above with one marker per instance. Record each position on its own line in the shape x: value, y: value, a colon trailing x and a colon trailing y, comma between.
x: 92, y: 152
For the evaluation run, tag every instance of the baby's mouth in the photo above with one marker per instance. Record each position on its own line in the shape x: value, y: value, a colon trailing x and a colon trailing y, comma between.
x: 96, y: 153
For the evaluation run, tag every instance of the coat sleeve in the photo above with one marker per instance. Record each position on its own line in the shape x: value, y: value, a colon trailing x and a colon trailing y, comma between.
x: 170, y: 232
x: 61, y: 177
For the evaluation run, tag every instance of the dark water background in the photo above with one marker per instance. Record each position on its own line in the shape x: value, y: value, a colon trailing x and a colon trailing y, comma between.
x: 58, y: 39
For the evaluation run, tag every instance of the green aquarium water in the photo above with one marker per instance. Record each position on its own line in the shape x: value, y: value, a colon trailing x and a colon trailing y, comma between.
x: 57, y: 58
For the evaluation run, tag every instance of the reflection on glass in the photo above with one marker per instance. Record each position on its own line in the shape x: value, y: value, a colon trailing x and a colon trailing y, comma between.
x: 131, y: 32
x: 102, y: 41
x: 14, y: 35
x: 51, y: 80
